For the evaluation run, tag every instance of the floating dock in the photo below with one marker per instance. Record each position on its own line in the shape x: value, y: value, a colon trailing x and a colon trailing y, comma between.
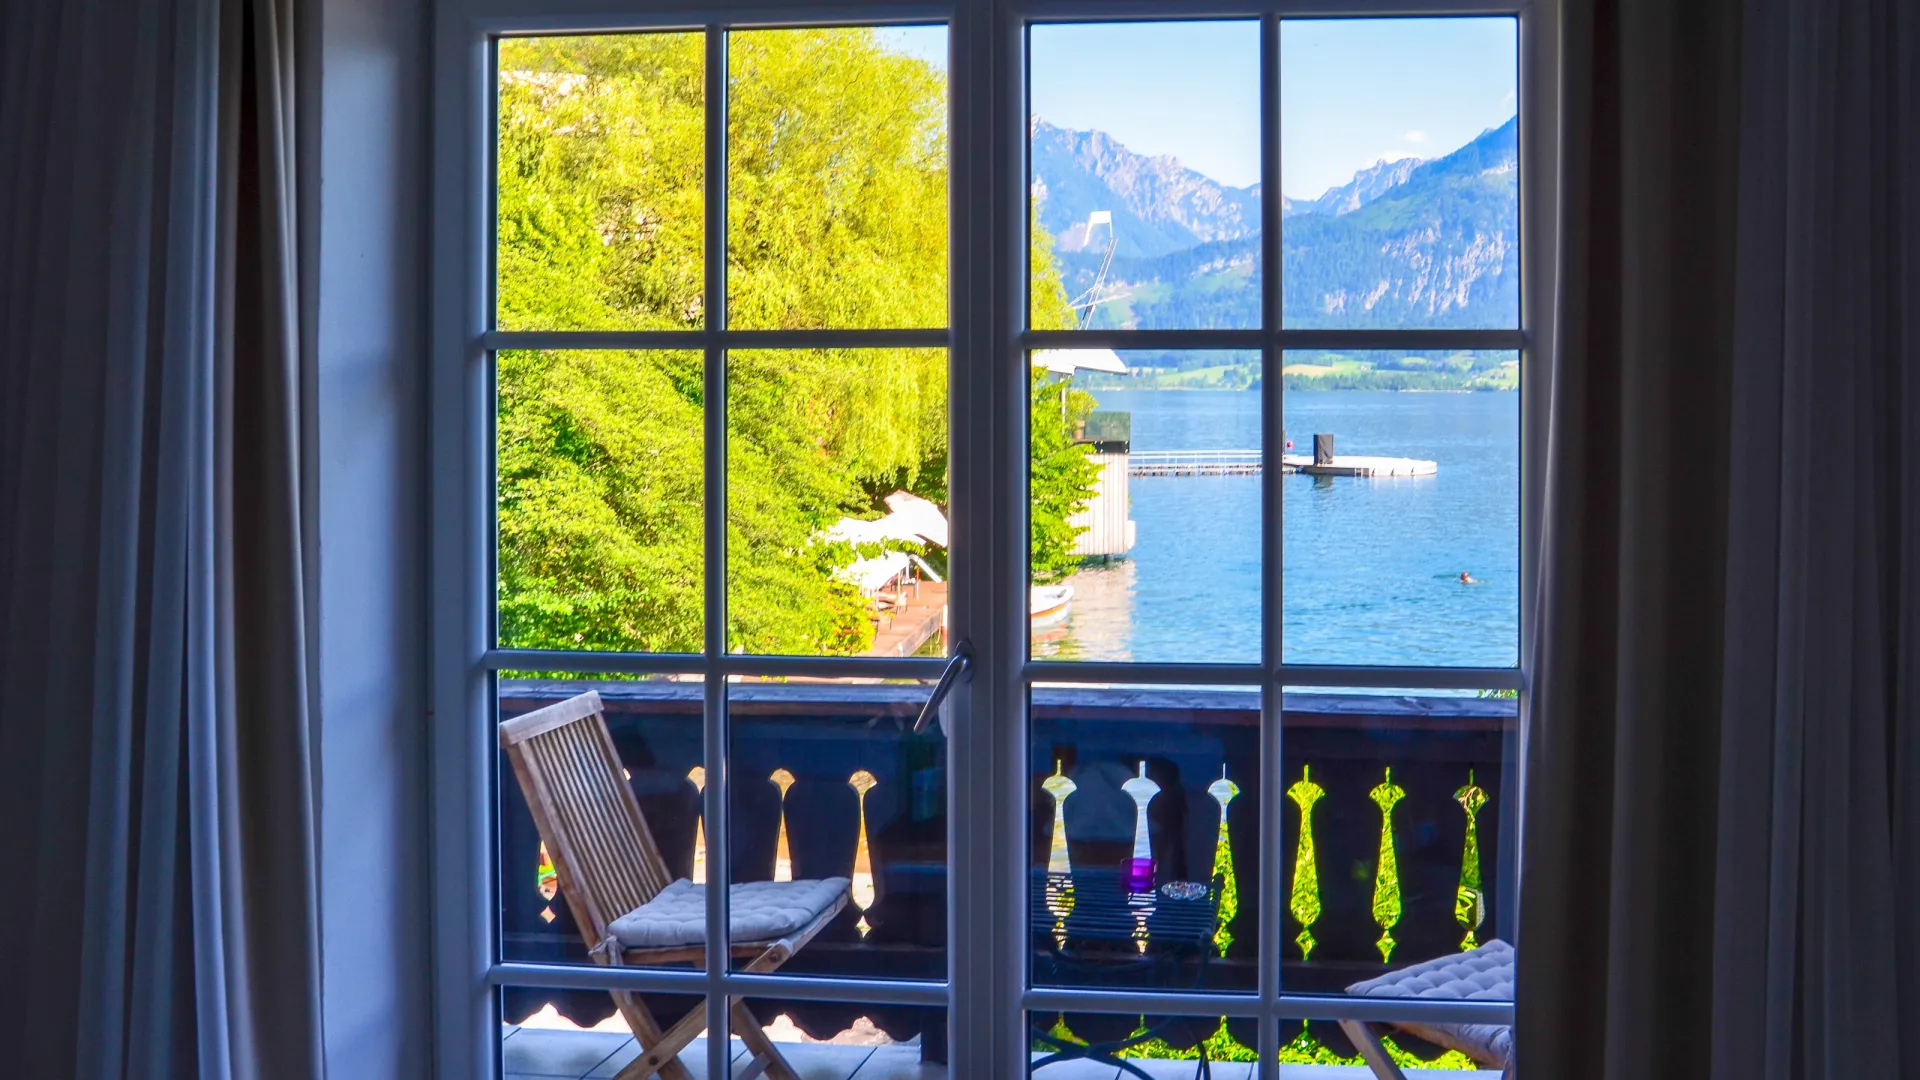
x: 1355, y: 465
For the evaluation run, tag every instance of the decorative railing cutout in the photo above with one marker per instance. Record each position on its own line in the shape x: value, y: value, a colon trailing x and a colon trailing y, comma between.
x: 1223, y: 791
x: 782, y: 854
x: 547, y: 881
x: 1140, y: 868
x: 1304, y: 901
x: 863, y: 895
x: 698, y: 774
x: 1059, y: 864
x: 1470, y: 903
x: 1386, y: 875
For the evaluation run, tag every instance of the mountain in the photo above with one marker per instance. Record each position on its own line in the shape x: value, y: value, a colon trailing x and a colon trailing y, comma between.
x: 1159, y: 205
x: 1405, y: 243
x: 1439, y: 249
x: 1367, y: 185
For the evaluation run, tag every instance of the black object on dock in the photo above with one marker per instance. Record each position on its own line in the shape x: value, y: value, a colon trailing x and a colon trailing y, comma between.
x: 1323, y: 449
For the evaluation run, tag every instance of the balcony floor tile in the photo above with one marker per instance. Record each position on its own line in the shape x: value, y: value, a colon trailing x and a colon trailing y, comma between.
x: 694, y: 1057
x: 543, y: 1053
x: 899, y: 1062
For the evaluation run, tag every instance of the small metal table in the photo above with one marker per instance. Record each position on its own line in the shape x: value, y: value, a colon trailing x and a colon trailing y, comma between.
x: 1110, y: 938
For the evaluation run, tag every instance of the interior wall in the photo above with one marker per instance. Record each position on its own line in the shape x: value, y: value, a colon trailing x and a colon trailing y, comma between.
x: 374, y: 67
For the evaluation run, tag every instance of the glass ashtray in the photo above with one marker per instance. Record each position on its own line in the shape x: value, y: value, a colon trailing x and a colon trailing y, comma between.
x: 1185, y: 890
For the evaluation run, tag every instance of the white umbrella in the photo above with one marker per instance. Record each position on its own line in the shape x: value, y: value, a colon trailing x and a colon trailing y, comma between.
x: 910, y: 519
x: 1068, y: 361
x: 918, y: 516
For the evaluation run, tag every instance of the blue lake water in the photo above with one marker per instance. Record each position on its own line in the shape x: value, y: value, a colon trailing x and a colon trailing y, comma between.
x: 1372, y: 566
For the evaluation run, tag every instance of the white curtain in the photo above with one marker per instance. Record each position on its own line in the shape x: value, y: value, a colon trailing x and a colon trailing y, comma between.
x: 159, y: 802
x: 1721, y: 875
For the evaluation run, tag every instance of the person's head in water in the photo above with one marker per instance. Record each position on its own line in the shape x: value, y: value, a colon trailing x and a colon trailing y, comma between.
x: 1468, y: 579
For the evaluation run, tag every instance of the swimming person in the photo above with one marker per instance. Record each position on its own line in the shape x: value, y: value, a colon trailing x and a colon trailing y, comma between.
x: 1468, y: 579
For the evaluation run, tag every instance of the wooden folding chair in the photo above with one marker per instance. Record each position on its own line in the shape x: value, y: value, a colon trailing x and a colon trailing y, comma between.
x: 608, y: 865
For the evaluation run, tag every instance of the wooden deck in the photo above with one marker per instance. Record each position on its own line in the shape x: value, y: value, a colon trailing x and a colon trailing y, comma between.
x: 914, y: 623
x: 544, y: 1054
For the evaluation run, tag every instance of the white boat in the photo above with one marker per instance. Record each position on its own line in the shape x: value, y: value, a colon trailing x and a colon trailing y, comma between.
x: 1050, y: 605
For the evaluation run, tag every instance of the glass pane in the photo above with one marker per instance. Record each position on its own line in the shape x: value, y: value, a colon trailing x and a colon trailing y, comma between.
x: 1396, y: 832
x: 1145, y: 175
x: 1399, y: 158
x: 1145, y: 487
x: 836, y: 502
x: 578, y: 1034
x: 1099, y: 1046
x: 837, y: 178
x: 1135, y: 798
x: 655, y: 726
x: 832, y: 788
x: 601, y: 144
x: 598, y: 466
x: 847, y: 1040
x: 1403, y: 548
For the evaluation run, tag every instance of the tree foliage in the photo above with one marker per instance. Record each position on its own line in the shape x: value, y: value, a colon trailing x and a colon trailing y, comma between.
x: 837, y: 218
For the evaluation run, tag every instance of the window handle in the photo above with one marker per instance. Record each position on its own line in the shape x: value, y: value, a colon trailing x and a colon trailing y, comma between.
x: 959, y: 669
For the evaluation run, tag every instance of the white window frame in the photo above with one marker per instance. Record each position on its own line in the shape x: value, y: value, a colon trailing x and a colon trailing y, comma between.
x: 987, y: 991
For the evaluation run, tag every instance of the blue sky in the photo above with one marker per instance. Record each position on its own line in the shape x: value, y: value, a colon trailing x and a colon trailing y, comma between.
x: 1353, y: 91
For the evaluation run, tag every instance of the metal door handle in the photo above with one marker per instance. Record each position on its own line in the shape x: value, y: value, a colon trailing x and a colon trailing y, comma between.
x: 959, y: 669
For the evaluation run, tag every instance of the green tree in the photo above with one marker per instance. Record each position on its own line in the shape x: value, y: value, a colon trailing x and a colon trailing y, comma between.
x: 1061, y: 473
x: 837, y: 218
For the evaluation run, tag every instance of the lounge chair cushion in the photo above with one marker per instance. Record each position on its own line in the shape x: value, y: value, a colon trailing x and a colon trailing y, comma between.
x: 760, y: 911
x: 1483, y: 974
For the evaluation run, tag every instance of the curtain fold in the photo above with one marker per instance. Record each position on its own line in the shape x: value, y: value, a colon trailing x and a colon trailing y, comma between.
x: 156, y: 626
x: 1719, y: 857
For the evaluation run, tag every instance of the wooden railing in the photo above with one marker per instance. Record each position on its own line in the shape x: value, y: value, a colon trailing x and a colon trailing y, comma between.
x: 1404, y: 859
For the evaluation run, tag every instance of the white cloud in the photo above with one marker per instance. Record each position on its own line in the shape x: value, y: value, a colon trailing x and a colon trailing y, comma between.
x: 1415, y: 136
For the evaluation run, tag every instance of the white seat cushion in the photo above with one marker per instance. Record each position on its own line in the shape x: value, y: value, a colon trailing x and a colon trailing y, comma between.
x: 1482, y: 974
x: 760, y: 911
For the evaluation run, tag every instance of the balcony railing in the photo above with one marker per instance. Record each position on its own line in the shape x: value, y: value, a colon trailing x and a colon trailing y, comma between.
x: 1406, y: 858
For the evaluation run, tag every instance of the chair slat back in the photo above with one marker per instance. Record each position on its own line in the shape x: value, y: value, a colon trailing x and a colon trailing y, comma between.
x: 602, y: 851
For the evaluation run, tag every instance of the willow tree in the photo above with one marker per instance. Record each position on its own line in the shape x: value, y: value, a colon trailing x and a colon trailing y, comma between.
x: 836, y: 219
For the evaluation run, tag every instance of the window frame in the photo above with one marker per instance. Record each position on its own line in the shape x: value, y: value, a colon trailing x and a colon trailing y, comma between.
x: 988, y: 991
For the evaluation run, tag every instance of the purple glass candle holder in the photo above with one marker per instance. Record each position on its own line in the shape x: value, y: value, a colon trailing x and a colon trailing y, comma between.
x: 1139, y: 876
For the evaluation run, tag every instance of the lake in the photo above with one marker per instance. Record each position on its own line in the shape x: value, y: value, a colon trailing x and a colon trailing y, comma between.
x: 1372, y: 566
